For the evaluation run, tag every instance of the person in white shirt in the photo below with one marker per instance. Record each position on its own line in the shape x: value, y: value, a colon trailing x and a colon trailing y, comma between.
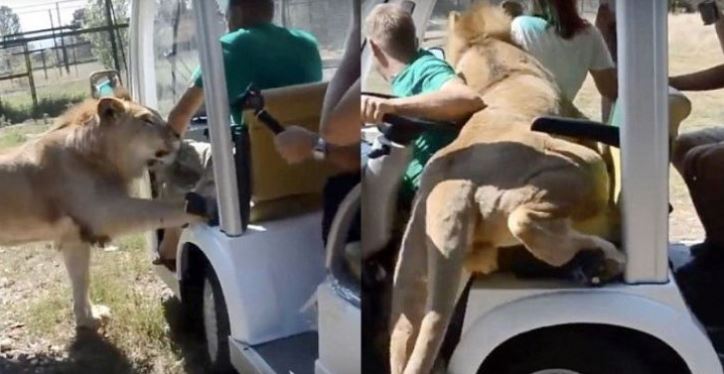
x: 568, y: 46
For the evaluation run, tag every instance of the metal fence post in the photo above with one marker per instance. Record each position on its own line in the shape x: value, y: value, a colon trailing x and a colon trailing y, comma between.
x: 111, y: 34
x: 29, y: 68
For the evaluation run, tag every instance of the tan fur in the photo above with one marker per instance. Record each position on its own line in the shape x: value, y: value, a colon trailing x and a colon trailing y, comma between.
x: 497, y: 184
x: 70, y: 186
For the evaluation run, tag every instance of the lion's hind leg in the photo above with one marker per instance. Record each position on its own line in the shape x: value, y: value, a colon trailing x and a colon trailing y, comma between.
x: 450, y: 224
x: 550, y: 238
x: 409, y: 290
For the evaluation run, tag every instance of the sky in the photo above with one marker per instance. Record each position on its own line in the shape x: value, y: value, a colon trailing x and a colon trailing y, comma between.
x: 34, y: 13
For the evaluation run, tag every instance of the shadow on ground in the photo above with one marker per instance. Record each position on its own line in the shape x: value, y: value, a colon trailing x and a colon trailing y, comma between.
x: 91, y: 352
x: 88, y: 352
x: 186, y: 336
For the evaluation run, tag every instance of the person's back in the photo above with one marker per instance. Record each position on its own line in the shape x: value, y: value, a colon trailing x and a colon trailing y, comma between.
x: 569, y: 60
x: 269, y: 56
x: 272, y: 56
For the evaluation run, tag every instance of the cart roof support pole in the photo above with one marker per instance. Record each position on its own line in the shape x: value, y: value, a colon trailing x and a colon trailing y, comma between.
x: 217, y: 109
x: 643, y: 97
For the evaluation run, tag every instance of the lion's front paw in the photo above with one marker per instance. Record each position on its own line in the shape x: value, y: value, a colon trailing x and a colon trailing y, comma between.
x: 99, y: 315
x: 596, y: 267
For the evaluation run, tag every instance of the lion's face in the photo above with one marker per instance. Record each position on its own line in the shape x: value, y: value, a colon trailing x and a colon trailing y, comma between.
x: 140, y: 131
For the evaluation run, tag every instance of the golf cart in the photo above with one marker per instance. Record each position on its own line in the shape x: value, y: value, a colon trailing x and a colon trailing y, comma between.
x: 268, y: 298
x: 639, y: 325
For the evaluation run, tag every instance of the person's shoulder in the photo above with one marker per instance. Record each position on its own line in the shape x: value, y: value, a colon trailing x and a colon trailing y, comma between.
x: 590, y: 35
x: 235, y: 37
x: 304, y: 36
x: 428, y: 64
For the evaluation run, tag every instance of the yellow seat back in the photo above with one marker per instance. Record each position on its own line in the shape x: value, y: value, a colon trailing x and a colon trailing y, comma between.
x: 279, y: 189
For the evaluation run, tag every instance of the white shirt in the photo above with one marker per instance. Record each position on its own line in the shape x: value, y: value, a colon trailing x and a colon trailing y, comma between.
x: 568, y: 60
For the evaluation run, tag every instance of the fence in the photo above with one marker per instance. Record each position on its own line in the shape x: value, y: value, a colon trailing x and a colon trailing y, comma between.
x: 43, y: 71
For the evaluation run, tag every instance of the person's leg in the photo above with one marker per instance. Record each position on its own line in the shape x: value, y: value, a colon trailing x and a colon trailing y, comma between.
x: 687, y: 141
x: 703, y: 170
x: 380, y: 185
x: 699, y: 158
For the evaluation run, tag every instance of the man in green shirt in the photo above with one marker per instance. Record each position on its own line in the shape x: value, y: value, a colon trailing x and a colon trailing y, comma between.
x: 426, y: 87
x: 255, y: 51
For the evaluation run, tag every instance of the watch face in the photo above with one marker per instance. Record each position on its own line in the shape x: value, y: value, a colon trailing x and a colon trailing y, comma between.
x: 320, y: 150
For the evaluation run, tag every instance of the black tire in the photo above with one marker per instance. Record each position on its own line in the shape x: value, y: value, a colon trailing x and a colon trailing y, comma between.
x: 571, y: 353
x: 216, y: 328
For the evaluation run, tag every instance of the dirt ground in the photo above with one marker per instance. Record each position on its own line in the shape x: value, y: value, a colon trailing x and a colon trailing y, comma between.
x: 145, y: 334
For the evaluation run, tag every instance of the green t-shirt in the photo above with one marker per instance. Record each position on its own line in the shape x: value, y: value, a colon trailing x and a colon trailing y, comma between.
x: 426, y: 73
x: 270, y: 56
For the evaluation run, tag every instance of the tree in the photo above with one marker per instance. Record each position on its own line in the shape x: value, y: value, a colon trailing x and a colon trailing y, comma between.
x: 95, y: 16
x: 9, y: 21
x: 78, y: 17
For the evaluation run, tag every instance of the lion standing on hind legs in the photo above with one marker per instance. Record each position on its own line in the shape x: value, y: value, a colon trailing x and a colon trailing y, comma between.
x: 498, y: 184
x: 71, y: 186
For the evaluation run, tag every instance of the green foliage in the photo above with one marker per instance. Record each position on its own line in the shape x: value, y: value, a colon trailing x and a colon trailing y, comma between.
x: 50, y: 106
x: 95, y: 16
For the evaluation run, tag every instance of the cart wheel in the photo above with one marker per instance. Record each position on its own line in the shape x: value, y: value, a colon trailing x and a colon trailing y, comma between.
x: 572, y: 353
x: 216, y: 324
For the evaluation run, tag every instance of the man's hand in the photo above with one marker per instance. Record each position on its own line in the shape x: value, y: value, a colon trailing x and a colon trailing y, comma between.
x: 374, y: 108
x: 295, y: 144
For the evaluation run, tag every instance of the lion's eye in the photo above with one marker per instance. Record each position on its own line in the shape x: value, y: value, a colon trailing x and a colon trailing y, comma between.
x: 148, y: 121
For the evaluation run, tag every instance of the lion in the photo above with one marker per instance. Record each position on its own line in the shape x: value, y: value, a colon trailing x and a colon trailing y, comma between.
x: 498, y: 184
x: 71, y: 186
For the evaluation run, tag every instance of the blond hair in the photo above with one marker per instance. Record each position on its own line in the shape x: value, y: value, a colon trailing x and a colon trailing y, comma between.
x: 393, y: 29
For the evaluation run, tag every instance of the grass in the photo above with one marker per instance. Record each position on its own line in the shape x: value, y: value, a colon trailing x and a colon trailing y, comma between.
x: 15, y: 135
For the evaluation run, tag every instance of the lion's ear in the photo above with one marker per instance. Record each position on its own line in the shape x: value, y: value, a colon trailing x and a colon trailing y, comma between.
x: 110, y: 108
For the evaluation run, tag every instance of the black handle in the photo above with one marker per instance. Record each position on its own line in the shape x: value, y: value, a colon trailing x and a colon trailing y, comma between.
x: 578, y: 128
x: 270, y: 122
x: 403, y: 130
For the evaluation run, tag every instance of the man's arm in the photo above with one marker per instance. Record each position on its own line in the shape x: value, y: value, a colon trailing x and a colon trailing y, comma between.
x: 342, y: 124
x: 296, y: 144
x: 185, y: 108
x: 347, y: 158
x: 454, y: 101
x: 709, y: 79
x: 703, y: 80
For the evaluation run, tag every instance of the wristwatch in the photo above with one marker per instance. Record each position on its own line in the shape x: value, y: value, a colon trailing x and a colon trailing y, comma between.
x: 320, y: 150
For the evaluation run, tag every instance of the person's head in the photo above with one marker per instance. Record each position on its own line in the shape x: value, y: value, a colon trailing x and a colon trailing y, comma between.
x: 248, y: 13
x: 391, y: 34
x: 563, y: 16
x: 512, y: 8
